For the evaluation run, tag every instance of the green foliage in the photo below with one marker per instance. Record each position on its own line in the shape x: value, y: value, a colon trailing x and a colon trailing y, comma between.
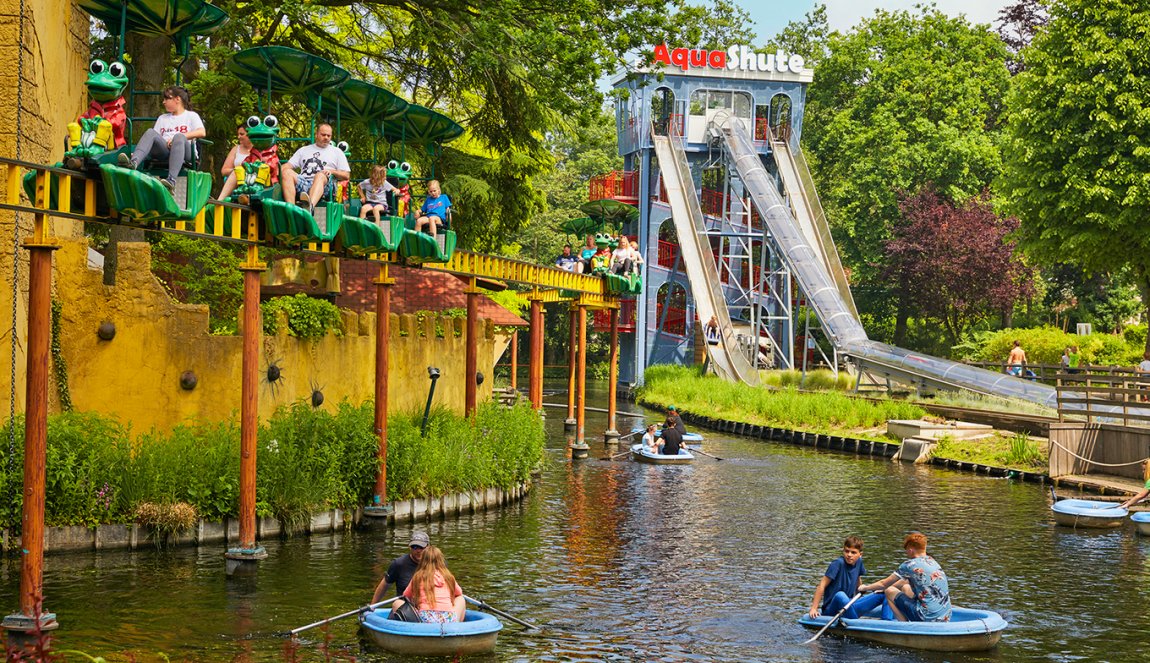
x: 1077, y: 151
x: 307, y: 317
x: 828, y: 411
x: 308, y: 460
x: 807, y: 37
x: 59, y: 364
x: 820, y: 379
x: 1044, y: 345
x: 199, y: 272
x: 1022, y: 451
x: 902, y: 100
x: 510, y: 300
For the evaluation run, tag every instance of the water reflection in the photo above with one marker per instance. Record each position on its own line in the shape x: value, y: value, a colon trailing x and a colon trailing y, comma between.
x: 625, y: 562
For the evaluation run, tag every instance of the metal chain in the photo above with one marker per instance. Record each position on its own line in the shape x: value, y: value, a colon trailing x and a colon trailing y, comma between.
x: 16, y: 244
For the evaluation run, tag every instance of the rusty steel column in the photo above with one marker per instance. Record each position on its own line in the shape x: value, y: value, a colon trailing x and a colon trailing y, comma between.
x: 32, y: 616
x: 535, y: 379
x: 472, y: 359
x: 248, y: 550
x: 379, y: 506
x: 570, y: 424
x: 580, y: 448
x: 611, y: 436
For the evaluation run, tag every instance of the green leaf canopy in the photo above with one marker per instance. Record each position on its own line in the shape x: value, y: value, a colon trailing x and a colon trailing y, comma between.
x: 178, y: 19
x: 609, y: 211
x: 362, y: 102
x: 582, y: 226
x: 419, y: 125
x: 285, y: 70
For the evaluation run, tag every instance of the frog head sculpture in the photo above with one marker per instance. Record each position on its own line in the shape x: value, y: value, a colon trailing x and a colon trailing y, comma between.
x: 602, y: 240
x: 106, y: 81
x: 398, y: 173
x: 263, y: 133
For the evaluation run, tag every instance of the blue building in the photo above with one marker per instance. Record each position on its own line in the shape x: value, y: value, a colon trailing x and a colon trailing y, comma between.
x: 678, y: 97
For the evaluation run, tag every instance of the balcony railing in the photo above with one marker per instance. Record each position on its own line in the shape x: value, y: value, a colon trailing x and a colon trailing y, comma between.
x: 602, y: 320
x: 676, y: 322
x: 621, y: 185
x: 668, y: 251
x: 713, y: 202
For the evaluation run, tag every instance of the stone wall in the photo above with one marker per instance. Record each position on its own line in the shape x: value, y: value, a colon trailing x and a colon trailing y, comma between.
x: 136, y: 375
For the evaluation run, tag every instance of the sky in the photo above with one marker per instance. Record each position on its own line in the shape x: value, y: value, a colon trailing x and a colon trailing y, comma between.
x: 771, y: 16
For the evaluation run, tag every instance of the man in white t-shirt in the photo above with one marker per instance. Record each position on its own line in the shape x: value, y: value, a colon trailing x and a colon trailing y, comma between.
x: 311, y: 171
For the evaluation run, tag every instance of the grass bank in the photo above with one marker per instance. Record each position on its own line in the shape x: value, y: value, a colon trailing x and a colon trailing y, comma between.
x: 308, y: 461
x: 1017, y: 451
x: 829, y: 411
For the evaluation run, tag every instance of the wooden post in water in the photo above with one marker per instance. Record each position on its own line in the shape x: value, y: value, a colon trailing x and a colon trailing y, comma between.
x: 514, y: 359
x: 248, y: 551
x: 472, y: 358
x: 32, y: 616
x: 571, y: 424
x: 580, y: 448
x: 378, y: 506
x: 611, y: 436
x: 535, y: 379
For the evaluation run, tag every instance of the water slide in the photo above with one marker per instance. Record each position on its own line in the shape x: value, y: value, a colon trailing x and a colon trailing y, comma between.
x: 699, y: 261
x: 808, y: 257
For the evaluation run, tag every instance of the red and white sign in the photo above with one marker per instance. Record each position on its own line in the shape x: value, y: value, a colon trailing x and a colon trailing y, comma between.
x: 740, y: 58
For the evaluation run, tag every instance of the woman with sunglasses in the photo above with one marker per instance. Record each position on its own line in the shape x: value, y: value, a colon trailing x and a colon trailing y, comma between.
x: 172, y: 137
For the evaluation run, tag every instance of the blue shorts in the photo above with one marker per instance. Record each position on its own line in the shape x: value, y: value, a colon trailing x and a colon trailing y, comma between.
x: 908, y: 607
x: 303, y: 184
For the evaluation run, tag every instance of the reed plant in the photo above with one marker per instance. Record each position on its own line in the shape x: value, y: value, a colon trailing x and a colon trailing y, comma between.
x: 820, y: 379
x: 819, y: 411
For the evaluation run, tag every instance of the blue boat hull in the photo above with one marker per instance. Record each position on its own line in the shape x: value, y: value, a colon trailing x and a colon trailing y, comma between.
x: 641, y: 456
x: 1088, y: 513
x: 967, y: 630
x: 1142, y: 521
x: 475, y: 635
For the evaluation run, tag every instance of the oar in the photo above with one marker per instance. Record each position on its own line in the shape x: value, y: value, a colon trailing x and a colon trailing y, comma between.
x: 834, y: 619
x: 614, y: 456
x: 296, y: 631
x: 481, y: 604
x: 700, y: 451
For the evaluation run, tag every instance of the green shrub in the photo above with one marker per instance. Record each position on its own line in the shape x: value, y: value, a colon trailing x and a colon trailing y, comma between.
x: 820, y: 379
x: 1022, y: 451
x: 307, y: 317
x: 685, y: 388
x: 1044, y: 345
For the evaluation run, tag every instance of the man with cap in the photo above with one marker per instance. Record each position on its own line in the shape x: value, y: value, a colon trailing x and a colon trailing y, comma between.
x: 674, y: 421
x: 402, y: 568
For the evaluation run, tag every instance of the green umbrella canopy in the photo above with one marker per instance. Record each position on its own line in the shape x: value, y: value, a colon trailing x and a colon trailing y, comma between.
x: 286, y: 70
x: 581, y: 226
x: 420, y: 126
x: 610, y: 211
x: 362, y: 102
x: 178, y: 19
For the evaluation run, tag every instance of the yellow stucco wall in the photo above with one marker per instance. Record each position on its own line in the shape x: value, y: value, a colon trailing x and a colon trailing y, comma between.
x: 136, y: 375
x: 54, y: 62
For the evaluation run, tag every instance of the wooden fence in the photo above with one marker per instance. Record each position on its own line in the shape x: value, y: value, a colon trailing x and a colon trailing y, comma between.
x: 1112, y: 395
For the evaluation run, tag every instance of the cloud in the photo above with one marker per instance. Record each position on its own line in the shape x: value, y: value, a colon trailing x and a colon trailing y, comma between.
x: 844, y: 14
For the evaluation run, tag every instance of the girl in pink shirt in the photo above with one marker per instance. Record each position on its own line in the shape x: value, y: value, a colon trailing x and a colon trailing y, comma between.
x: 434, y: 592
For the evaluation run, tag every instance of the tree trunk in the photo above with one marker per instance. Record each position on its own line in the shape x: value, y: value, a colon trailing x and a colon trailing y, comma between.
x: 1142, y: 282
x: 1008, y: 317
x: 901, y: 316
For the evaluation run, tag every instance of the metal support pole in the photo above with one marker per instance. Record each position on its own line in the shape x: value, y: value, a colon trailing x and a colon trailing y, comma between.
x: 248, y: 551
x: 31, y: 616
x: 612, y: 434
x: 535, y: 379
x: 570, y: 424
x: 379, y: 506
x: 472, y: 358
x: 580, y: 448
x: 514, y: 360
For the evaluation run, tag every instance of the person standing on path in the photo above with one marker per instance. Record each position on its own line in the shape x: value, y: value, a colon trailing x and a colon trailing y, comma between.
x: 402, y: 568
x: 1016, y: 360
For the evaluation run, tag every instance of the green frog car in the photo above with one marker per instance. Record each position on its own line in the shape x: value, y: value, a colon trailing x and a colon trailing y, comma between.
x: 263, y: 170
x: 101, y: 128
x: 417, y: 247
x: 359, y: 237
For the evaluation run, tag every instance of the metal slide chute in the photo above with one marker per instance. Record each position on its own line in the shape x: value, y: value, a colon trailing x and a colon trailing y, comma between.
x: 810, y: 268
x: 699, y: 261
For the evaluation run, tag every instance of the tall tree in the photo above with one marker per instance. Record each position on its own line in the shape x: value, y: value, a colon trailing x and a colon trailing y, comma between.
x: 1078, y: 140
x: 807, y: 37
x: 1017, y: 25
x: 954, y: 263
x: 902, y: 100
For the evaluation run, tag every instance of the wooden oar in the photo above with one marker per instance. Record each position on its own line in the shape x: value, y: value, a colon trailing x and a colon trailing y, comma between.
x: 614, y: 456
x: 700, y: 451
x: 834, y: 619
x: 296, y: 631
x: 481, y: 604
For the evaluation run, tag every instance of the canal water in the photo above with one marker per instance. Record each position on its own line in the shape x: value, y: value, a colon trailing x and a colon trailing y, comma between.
x: 627, y: 562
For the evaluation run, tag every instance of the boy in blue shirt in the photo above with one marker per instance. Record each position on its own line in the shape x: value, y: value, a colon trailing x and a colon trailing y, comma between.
x: 841, y: 582
x: 434, y: 209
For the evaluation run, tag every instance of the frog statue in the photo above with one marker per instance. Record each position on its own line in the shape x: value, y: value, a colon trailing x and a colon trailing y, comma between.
x: 398, y: 175
x: 601, y: 261
x: 101, y: 127
x: 261, y: 168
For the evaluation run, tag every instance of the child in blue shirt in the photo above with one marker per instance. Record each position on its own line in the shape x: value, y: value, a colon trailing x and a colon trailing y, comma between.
x: 434, y: 210
x: 841, y: 582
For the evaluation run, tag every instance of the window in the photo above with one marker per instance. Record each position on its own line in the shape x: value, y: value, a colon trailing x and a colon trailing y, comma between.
x: 698, y: 102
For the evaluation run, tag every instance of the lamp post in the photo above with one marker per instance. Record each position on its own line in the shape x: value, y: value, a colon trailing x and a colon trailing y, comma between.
x: 433, y: 373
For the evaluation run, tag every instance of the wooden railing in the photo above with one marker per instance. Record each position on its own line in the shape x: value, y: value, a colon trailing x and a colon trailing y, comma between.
x: 1108, y: 393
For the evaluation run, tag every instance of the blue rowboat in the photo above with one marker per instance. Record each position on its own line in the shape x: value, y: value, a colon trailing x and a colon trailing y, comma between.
x: 968, y: 630
x: 474, y: 635
x: 1088, y: 513
x: 684, y: 457
x: 692, y: 438
x: 1142, y: 520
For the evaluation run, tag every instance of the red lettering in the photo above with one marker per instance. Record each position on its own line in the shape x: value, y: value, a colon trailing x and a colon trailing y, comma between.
x: 717, y: 60
x: 661, y: 54
x: 679, y: 58
x: 698, y: 58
